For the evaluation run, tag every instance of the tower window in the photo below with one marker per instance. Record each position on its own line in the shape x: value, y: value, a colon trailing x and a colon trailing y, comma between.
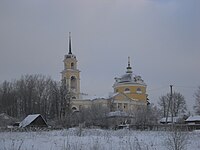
x: 72, y: 65
x: 74, y: 108
x: 139, y: 91
x: 73, y: 83
x: 127, y: 90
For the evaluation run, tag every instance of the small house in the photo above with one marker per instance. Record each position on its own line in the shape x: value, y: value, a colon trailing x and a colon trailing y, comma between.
x: 34, y: 120
x: 192, y: 120
x: 170, y: 120
x: 119, y: 119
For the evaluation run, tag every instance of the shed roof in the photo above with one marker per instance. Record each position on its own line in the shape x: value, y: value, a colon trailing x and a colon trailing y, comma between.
x: 29, y: 119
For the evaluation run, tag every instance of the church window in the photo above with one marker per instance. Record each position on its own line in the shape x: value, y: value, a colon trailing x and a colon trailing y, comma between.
x: 72, y: 65
x: 74, y: 108
x: 127, y: 90
x: 73, y: 97
x: 139, y: 91
x: 73, y: 83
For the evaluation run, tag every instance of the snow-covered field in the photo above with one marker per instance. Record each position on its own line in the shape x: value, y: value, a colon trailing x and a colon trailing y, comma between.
x: 93, y: 139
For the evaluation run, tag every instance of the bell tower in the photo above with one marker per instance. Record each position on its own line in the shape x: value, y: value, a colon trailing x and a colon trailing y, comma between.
x: 70, y: 74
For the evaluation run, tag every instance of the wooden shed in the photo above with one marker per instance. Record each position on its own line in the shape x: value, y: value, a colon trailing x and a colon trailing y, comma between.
x: 34, y: 120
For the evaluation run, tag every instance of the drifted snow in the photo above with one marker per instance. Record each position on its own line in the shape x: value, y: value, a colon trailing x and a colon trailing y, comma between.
x: 91, y: 139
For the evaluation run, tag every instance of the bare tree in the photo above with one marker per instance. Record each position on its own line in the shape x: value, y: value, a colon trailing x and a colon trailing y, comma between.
x: 175, y: 107
x: 64, y: 105
x: 7, y: 99
x: 98, y: 114
x: 164, y: 103
x: 146, y: 116
x: 92, y: 116
x: 176, y: 140
x: 153, y: 114
x: 34, y: 94
x: 197, y: 101
x: 55, y: 99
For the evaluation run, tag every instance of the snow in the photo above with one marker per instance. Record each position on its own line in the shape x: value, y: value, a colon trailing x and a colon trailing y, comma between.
x: 84, y: 96
x: 91, y: 139
x: 28, y: 120
x: 193, y: 118
x: 169, y: 119
x: 117, y: 114
x: 4, y: 116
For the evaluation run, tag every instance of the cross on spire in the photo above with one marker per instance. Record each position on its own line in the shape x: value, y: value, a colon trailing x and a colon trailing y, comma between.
x: 70, y: 46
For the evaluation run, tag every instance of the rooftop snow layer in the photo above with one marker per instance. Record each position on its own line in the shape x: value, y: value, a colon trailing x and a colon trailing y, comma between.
x: 193, y: 118
x: 28, y: 120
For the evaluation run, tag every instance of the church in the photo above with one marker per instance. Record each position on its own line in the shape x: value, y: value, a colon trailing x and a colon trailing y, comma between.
x: 129, y: 90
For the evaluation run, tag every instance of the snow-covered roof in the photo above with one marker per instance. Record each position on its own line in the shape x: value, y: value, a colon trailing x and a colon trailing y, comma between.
x: 193, y: 118
x: 28, y: 120
x: 169, y: 119
x: 117, y: 114
x: 129, y: 78
x: 84, y: 96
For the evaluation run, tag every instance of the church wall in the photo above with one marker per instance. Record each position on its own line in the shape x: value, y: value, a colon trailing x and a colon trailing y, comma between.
x: 88, y: 103
x: 133, y: 92
x: 132, y: 88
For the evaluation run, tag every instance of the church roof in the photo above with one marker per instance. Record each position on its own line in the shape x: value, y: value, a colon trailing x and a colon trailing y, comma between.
x: 129, y: 77
x: 70, y: 55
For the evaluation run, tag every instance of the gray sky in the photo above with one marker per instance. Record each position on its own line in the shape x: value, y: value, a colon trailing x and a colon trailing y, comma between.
x: 162, y: 37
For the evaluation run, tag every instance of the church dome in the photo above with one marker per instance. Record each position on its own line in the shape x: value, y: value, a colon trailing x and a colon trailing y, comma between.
x: 129, y: 78
x: 126, y: 78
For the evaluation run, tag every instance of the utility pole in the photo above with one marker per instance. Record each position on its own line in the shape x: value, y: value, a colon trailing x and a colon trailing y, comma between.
x: 168, y: 107
x: 172, y: 104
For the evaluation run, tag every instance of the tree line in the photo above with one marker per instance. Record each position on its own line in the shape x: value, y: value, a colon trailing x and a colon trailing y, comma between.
x: 40, y: 94
x: 34, y: 94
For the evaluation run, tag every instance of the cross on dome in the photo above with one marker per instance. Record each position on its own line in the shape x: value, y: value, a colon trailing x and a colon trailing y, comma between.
x: 129, y: 68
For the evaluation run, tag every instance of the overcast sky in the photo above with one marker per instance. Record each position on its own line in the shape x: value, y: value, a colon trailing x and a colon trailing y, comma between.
x: 162, y: 37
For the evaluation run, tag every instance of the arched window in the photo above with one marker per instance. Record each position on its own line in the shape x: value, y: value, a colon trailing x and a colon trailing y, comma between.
x: 73, y: 83
x: 73, y: 97
x: 127, y: 90
x: 72, y: 65
x: 74, y: 108
x: 139, y: 91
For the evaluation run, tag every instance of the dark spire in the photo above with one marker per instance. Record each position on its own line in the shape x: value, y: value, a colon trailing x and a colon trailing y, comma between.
x: 70, y: 46
x: 129, y: 69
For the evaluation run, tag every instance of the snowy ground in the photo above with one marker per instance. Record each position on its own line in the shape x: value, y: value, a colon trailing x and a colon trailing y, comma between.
x: 92, y: 139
